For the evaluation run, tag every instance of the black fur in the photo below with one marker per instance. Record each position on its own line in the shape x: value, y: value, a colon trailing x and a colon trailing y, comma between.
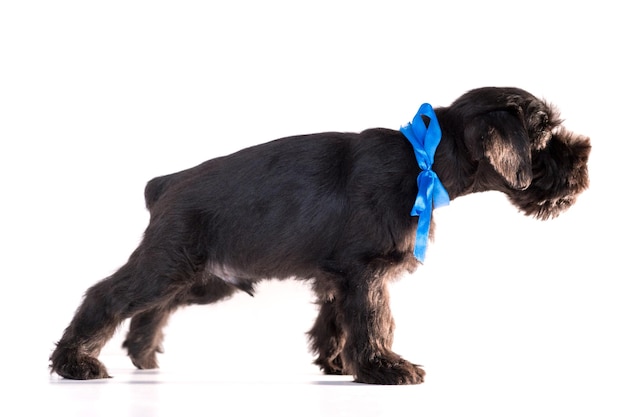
x: 331, y: 208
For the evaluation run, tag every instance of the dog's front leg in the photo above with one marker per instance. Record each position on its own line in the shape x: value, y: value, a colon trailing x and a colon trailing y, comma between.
x: 328, y: 338
x: 369, y: 326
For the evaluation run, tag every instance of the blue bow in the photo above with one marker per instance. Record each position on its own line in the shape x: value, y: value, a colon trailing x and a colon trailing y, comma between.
x: 430, y: 191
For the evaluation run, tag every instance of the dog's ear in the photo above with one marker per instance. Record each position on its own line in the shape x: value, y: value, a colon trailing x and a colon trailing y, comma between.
x: 501, y: 138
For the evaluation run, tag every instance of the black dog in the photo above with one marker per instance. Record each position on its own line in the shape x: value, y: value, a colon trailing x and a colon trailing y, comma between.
x: 331, y: 208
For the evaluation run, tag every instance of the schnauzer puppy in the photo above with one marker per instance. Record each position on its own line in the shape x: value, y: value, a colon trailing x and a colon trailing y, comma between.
x: 330, y: 208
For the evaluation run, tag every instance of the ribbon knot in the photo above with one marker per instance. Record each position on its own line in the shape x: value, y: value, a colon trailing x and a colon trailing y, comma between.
x: 430, y: 191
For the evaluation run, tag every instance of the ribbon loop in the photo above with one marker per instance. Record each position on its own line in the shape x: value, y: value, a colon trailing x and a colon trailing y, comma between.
x: 430, y: 191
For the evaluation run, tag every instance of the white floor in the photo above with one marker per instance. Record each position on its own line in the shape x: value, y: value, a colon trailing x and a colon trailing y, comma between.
x: 299, y: 391
x: 236, y: 393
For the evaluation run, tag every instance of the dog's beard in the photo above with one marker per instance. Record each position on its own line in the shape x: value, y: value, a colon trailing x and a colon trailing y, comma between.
x: 549, y: 209
x: 559, y: 176
x: 543, y: 209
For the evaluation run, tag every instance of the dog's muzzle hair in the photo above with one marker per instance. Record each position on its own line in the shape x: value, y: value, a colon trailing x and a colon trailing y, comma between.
x: 329, y: 208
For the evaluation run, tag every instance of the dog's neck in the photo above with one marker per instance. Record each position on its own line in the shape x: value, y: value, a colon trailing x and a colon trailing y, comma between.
x: 457, y: 174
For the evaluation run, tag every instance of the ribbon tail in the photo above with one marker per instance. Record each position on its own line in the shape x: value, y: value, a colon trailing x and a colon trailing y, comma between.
x: 421, y: 238
x: 440, y: 194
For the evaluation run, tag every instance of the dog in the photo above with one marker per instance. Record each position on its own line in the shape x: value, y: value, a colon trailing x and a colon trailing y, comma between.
x: 331, y: 208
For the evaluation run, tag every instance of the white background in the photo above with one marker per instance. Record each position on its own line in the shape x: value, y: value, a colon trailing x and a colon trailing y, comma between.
x: 509, y: 316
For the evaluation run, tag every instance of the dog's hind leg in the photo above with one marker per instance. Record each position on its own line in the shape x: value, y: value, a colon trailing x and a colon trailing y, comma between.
x: 148, y: 281
x: 145, y: 335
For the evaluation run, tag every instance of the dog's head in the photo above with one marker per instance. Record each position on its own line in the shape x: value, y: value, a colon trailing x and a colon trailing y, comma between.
x: 518, y: 146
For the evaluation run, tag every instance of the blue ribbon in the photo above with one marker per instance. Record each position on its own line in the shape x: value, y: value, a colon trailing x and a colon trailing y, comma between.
x: 430, y: 191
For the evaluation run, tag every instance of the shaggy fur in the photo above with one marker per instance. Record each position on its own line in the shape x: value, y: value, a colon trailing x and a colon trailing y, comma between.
x: 330, y: 208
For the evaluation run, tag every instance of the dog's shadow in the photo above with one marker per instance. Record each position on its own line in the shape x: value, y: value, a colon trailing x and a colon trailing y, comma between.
x: 156, y: 377
x: 338, y: 383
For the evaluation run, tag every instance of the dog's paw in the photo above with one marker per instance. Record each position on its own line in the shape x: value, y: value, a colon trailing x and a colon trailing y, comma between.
x: 80, y: 367
x: 142, y: 357
x: 389, y: 371
x: 331, y: 367
x: 145, y: 362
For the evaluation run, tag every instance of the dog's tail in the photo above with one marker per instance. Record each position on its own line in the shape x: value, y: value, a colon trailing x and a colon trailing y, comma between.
x: 155, y: 189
